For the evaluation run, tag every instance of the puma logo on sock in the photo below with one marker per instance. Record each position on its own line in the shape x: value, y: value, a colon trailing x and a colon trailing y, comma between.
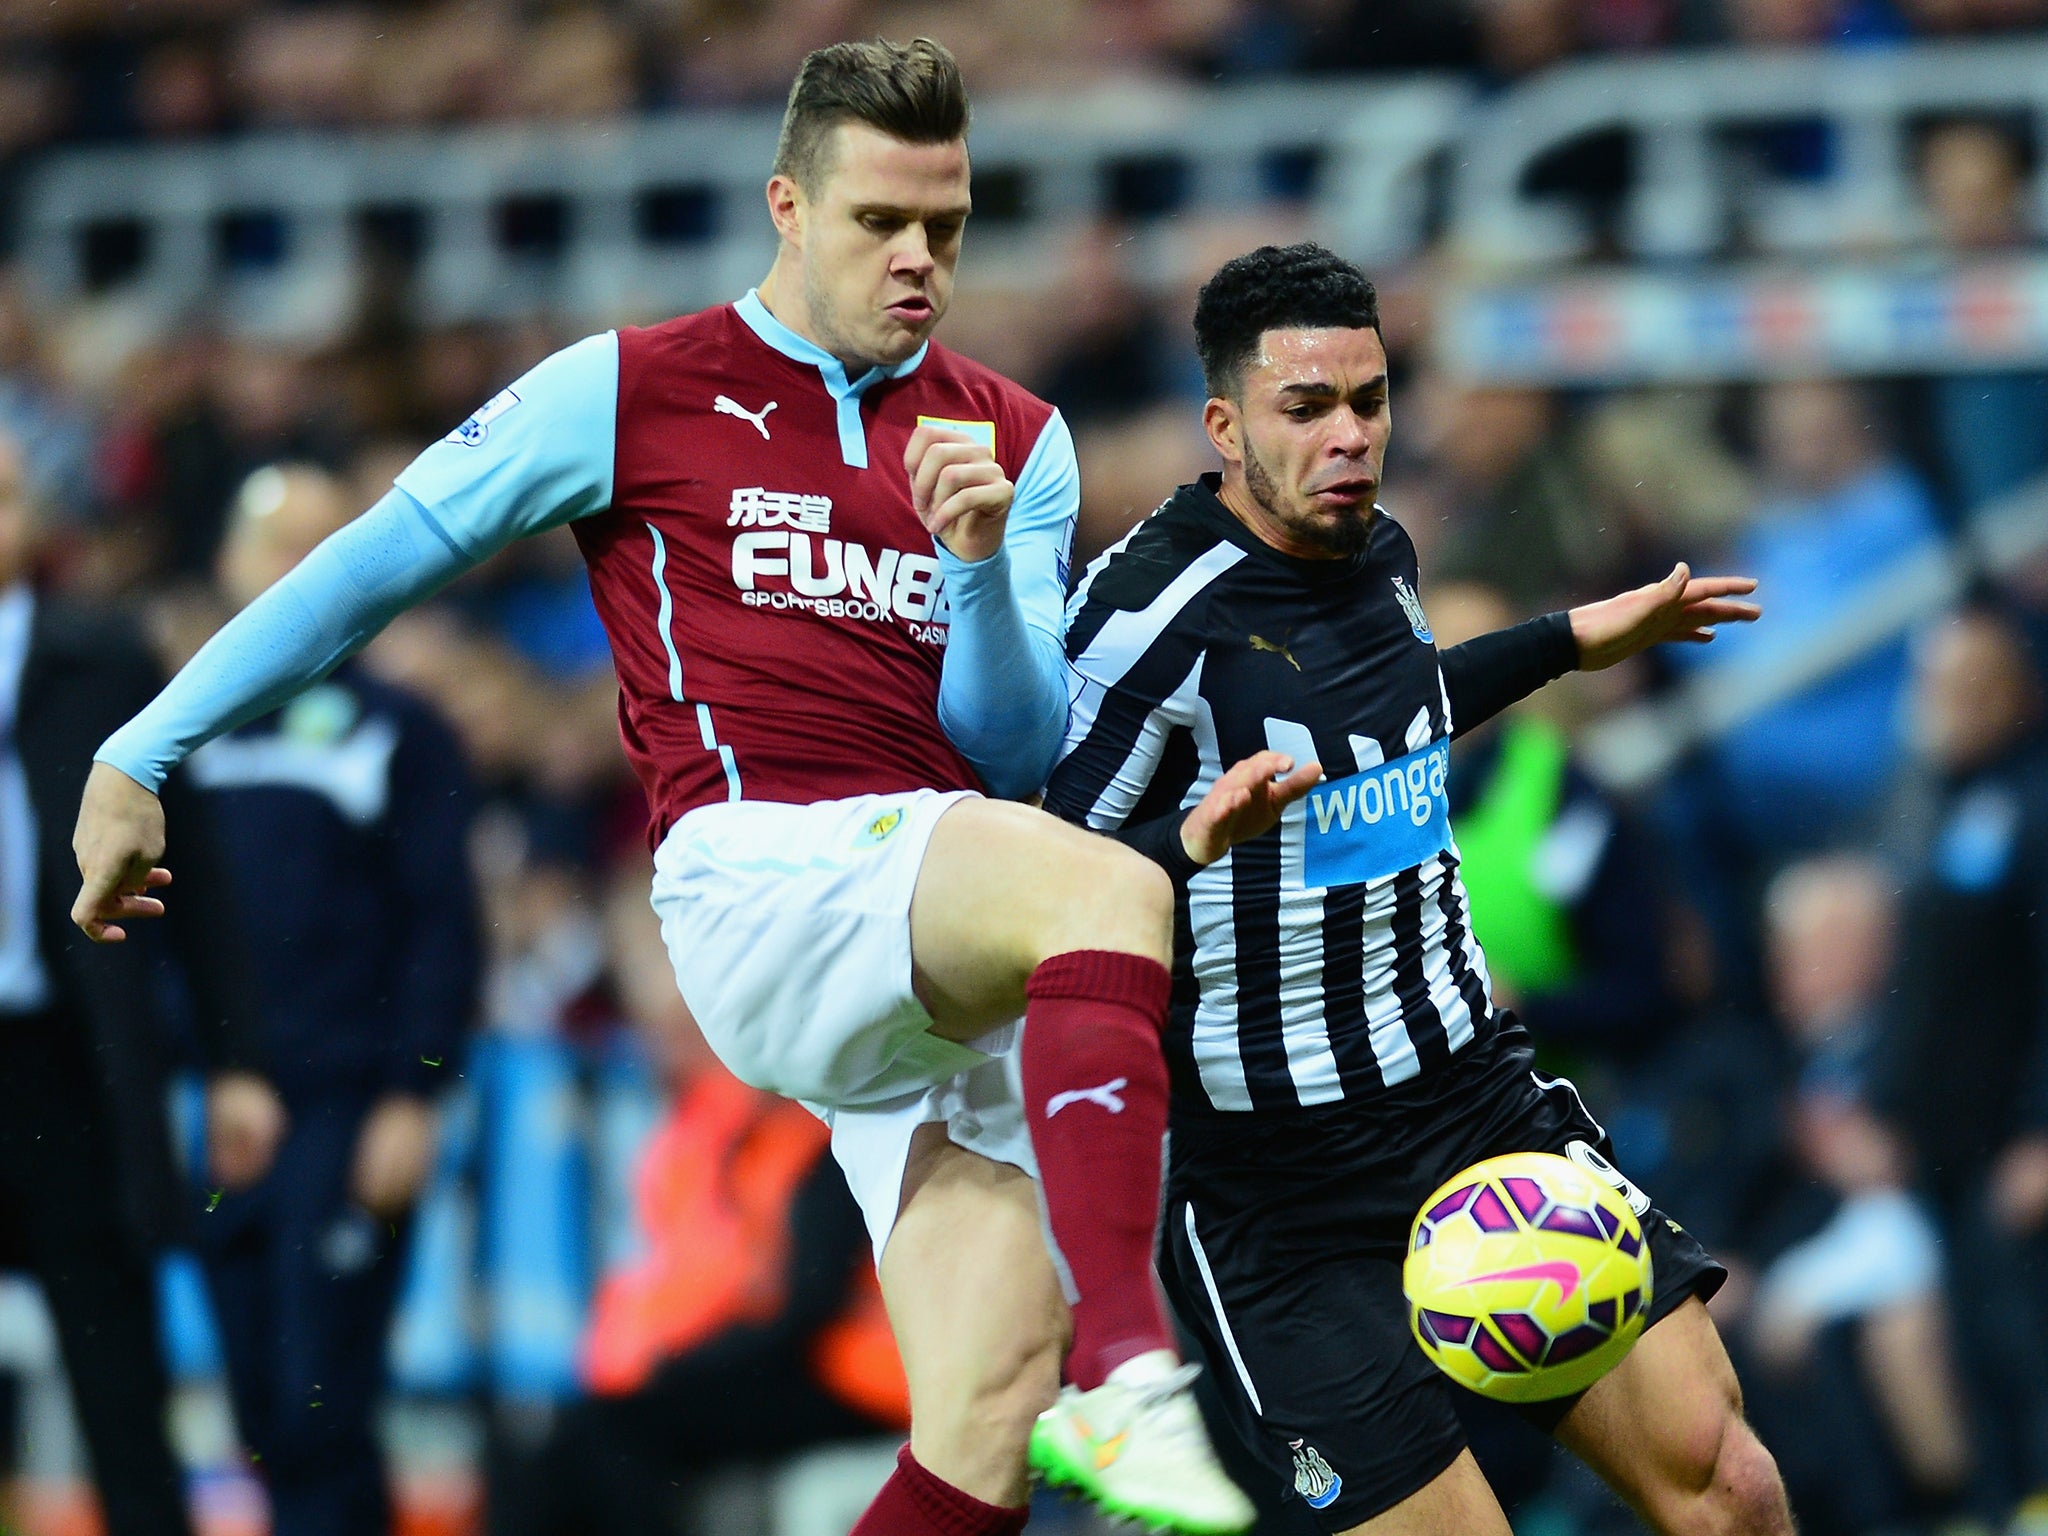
x: 1109, y: 1096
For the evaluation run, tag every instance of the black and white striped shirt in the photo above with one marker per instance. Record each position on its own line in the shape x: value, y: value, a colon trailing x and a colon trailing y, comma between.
x: 1334, y: 956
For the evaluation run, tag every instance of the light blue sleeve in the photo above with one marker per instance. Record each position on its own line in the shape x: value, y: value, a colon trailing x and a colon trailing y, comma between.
x: 1003, y: 692
x: 537, y: 455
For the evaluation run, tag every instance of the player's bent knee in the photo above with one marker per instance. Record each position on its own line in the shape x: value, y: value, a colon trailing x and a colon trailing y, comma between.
x: 1741, y: 1493
x: 1755, y: 1497
x: 1116, y: 899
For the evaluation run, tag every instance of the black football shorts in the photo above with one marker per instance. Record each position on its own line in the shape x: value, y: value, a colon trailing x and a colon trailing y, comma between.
x: 1283, y: 1246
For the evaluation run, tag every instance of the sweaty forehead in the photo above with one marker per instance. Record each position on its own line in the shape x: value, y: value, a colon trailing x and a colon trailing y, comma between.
x: 1343, y: 356
x: 864, y: 166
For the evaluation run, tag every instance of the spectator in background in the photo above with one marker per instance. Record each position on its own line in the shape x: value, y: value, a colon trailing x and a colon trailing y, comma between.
x: 1839, y: 509
x: 37, y: 412
x: 1521, y: 518
x: 1849, y: 1319
x: 1963, y: 1069
x: 1566, y: 897
x: 346, y: 817
x: 88, y: 1188
x: 1115, y: 354
x: 1974, y: 180
x: 753, y: 1325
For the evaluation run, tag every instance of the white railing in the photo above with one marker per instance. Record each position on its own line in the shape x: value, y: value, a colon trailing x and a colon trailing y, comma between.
x: 1374, y: 145
x: 1057, y: 163
x: 1695, y: 189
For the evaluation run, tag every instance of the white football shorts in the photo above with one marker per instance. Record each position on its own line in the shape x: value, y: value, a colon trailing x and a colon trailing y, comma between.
x: 789, y: 929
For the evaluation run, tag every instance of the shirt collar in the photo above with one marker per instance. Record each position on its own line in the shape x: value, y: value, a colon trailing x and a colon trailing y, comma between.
x: 779, y: 336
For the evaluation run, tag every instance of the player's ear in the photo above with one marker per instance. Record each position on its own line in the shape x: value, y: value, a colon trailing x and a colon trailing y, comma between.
x: 1224, y: 423
x: 786, y: 207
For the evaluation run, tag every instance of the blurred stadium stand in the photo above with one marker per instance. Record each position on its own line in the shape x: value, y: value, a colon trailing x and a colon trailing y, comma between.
x: 1601, y: 229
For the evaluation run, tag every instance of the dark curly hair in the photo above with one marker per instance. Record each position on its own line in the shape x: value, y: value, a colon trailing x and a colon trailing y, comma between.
x: 1276, y: 287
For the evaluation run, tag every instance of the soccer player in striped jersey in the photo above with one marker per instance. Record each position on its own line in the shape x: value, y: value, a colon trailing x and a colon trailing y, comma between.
x: 1258, y: 704
x: 830, y: 556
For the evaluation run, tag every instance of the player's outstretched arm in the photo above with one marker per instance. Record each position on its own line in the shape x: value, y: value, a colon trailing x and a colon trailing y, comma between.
x: 1489, y: 672
x: 322, y: 611
x: 1681, y: 607
x: 536, y: 456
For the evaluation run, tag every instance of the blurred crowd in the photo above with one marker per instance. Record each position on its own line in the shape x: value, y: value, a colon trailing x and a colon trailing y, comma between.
x: 180, y: 69
x: 1800, y: 979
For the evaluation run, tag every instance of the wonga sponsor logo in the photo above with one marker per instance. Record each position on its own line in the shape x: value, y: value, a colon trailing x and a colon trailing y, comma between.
x: 1389, y: 818
x: 783, y: 559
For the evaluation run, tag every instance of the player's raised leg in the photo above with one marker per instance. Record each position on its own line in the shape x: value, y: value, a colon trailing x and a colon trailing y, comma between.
x: 1017, y: 912
x: 1665, y: 1430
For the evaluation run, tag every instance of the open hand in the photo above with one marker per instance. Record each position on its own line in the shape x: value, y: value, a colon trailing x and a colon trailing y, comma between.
x: 1246, y: 802
x: 245, y: 1121
x: 1680, y: 607
x: 394, y: 1154
x: 959, y: 491
x: 118, y: 840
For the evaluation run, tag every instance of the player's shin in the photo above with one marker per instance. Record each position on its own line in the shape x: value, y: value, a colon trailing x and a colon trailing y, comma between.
x: 915, y: 1503
x: 1095, y: 1091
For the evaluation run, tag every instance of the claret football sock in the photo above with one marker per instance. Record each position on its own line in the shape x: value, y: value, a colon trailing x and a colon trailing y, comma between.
x: 1095, y: 1093
x: 915, y: 1503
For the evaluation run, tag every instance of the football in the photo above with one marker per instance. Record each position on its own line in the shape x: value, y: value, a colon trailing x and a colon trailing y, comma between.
x: 1527, y: 1277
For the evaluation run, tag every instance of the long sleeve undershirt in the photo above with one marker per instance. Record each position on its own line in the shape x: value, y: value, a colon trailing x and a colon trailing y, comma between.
x: 1482, y: 677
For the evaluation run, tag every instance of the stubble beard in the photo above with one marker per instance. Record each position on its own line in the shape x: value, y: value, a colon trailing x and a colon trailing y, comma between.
x: 824, y: 313
x: 1345, y: 537
x: 832, y: 334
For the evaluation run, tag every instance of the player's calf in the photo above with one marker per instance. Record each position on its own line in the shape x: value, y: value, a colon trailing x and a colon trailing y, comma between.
x: 978, y: 1316
x: 1665, y: 1430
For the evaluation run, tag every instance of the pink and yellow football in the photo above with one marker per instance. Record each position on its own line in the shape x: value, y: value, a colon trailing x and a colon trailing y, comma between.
x: 1527, y: 1277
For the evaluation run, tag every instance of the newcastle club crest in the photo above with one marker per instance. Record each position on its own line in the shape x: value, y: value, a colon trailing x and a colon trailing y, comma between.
x: 1412, y: 606
x: 1313, y: 1479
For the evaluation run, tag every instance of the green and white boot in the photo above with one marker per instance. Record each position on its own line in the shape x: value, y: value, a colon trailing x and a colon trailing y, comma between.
x: 1136, y: 1448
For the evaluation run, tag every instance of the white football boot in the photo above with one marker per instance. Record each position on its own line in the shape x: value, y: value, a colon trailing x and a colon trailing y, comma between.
x: 1136, y: 1448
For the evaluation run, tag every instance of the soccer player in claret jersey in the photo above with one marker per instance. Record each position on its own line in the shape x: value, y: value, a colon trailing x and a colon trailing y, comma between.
x: 1335, y: 1049
x: 830, y: 556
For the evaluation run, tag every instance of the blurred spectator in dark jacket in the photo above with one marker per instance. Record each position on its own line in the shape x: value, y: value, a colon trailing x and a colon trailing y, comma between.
x: 1849, y: 1320
x: 752, y: 1327
x: 88, y: 1187
x: 1521, y: 516
x: 346, y: 817
x: 1963, y: 1071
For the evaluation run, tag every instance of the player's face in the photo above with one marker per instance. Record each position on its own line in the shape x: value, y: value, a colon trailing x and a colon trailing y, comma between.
x: 1302, y: 448
x: 879, y: 241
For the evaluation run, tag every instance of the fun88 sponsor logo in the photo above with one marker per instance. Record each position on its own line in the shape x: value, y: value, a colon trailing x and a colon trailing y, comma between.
x: 784, y: 560
x: 1379, y: 822
x: 754, y: 506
